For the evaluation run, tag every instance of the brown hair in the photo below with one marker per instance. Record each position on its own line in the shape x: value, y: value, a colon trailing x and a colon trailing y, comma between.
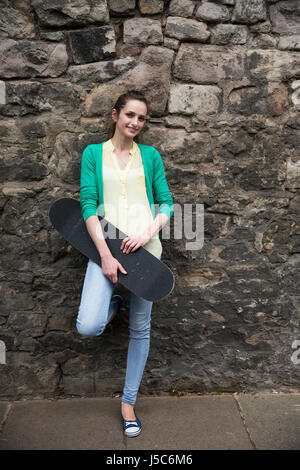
x: 121, y: 103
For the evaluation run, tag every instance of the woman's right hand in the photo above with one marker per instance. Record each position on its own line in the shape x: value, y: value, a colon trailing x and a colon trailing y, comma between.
x: 110, y: 266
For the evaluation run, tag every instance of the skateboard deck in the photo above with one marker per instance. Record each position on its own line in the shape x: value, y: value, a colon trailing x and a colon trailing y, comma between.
x: 147, y: 276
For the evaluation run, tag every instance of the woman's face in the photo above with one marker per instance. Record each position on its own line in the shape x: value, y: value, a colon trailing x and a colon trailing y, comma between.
x: 131, y: 119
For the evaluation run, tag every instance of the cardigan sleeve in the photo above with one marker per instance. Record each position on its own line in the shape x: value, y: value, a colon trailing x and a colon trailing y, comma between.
x: 88, y: 187
x: 162, y: 193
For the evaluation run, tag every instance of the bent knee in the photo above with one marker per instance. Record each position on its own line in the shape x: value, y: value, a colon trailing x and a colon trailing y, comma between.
x: 89, y: 329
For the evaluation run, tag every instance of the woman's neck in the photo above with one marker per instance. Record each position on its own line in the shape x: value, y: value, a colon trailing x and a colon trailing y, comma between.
x: 121, y: 142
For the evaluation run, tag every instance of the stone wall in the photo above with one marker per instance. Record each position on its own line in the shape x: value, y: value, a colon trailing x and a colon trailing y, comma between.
x: 223, y: 82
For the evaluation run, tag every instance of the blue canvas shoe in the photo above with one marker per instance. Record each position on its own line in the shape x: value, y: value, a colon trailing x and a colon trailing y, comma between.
x: 131, y: 427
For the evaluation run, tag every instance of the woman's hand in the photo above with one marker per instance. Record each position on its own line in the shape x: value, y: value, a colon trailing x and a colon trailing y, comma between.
x: 110, y: 266
x: 133, y: 243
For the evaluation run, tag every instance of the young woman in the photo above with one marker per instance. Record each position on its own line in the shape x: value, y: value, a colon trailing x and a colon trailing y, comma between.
x: 118, y: 180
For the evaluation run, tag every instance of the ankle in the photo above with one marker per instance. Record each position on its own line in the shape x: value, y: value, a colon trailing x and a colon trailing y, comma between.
x: 127, y: 406
x: 127, y: 411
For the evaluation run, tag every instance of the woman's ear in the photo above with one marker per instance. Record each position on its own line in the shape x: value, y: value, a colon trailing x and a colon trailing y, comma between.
x: 114, y: 115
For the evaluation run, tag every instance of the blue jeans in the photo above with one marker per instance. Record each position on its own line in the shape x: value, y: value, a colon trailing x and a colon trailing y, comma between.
x: 95, y: 310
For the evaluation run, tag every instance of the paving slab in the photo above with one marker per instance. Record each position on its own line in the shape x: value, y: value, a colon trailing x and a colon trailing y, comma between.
x: 65, y: 424
x: 179, y: 423
x: 273, y: 421
x: 190, y: 423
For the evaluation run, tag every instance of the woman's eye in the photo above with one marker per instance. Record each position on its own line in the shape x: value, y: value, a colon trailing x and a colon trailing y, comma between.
x: 130, y: 115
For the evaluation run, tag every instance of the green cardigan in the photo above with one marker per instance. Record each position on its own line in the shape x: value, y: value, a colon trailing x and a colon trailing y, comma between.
x: 91, y: 181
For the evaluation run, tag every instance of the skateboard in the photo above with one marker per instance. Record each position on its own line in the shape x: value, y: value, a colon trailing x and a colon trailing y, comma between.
x: 146, y: 277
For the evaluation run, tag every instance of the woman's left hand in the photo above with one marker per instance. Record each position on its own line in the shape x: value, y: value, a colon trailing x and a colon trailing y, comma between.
x: 133, y: 243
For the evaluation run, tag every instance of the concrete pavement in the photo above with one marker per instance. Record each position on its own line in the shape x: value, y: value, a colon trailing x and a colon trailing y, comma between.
x: 191, y: 422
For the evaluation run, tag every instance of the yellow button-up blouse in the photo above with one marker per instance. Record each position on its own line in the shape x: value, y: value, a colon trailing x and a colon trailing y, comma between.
x: 125, y: 196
